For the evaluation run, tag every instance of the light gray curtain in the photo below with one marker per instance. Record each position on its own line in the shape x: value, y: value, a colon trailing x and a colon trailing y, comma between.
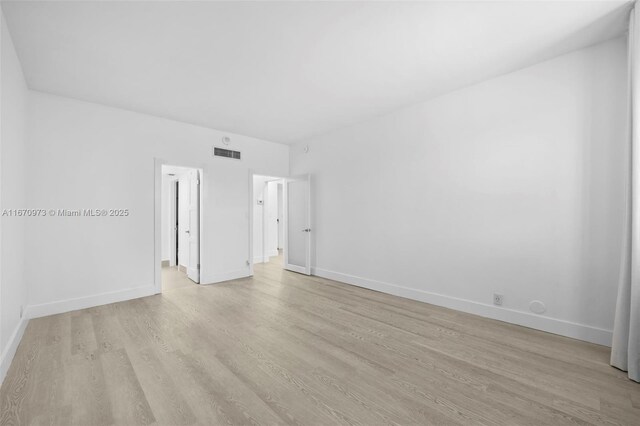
x: 625, y: 350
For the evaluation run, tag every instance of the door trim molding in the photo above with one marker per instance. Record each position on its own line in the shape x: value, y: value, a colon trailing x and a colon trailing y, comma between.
x: 251, y: 258
x: 157, y: 218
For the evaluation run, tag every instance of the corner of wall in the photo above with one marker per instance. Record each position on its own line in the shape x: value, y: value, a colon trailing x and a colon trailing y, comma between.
x: 14, y: 94
x: 3, y: 368
x: 11, y: 348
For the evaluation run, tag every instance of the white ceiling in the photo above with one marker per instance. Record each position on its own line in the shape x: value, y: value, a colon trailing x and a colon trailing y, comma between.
x: 286, y: 71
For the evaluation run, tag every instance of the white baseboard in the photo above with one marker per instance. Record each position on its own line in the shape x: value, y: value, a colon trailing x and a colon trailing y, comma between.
x: 551, y: 325
x: 12, y: 347
x: 227, y: 276
x: 67, y: 305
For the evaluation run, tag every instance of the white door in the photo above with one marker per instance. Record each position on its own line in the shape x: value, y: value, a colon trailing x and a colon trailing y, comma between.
x: 297, y: 220
x: 280, y: 217
x: 193, y: 265
x: 172, y: 226
x: 183, y: 221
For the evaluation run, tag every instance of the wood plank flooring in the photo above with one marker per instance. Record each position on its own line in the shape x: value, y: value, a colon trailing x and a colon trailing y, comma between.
x: 282, y: 348
x: 173, y: 278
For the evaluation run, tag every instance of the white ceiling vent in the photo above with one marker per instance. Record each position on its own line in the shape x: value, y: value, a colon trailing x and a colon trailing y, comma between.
x: 226, y: 153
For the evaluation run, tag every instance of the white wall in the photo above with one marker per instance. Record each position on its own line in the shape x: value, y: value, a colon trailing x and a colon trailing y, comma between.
x: 513, y: 186
x: 13, y: 111
x: 83, y: 155
x: 259, y: 194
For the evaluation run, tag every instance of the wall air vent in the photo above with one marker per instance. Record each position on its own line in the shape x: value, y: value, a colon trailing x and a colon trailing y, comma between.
x: 226, y: 153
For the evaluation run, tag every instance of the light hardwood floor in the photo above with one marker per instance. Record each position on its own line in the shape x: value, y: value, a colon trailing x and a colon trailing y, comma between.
x: 285, y: 348
x: 173, y: 278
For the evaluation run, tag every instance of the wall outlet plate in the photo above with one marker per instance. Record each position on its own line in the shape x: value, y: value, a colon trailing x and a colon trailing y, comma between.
x: 498, y: 299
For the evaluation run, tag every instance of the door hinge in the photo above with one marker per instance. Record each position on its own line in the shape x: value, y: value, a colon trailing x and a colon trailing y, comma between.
x: 198, y: 182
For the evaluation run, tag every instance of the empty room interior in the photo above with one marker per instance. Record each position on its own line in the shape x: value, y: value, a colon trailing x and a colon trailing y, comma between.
x: 316, y: 213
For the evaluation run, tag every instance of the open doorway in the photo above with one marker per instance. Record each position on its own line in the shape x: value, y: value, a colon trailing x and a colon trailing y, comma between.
x: 268, y: 225
x: 180, y: 227
x: 280, y: 212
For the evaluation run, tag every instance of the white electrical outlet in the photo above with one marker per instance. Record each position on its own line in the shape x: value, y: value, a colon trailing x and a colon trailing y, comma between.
x: 497, y: 299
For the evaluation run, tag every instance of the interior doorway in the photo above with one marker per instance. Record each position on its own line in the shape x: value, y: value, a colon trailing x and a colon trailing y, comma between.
x: 267, y: 220
x: 180, y: 226
x: 281, y: 222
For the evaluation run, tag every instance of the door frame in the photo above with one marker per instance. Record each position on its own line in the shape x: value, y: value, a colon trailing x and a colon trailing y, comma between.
x: 250, y: 256
x: 173, y: 217
x: 157, y: 217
